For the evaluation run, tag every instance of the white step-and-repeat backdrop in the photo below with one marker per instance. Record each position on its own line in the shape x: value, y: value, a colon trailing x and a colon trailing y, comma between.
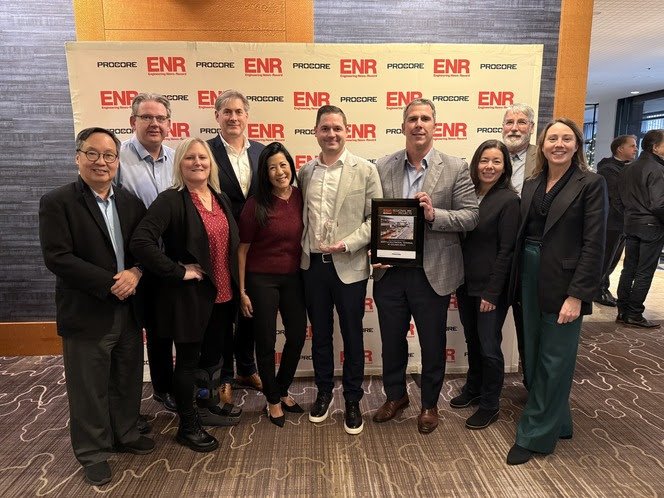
x: 287, y: 82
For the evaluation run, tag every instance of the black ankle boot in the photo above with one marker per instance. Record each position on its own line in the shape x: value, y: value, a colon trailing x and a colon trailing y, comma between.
x: 191, y: 434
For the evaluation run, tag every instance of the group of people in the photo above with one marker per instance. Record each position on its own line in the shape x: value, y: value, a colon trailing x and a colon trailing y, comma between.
x: 227, y: 234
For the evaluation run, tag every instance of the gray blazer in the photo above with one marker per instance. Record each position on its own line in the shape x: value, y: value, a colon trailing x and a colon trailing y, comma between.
x: 358, y: 185
x: 452, y: 193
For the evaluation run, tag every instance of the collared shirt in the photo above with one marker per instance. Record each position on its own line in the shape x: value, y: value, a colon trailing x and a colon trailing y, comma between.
x: 413, y: 179
x: 519, y: 170
x: 110, y: 213
x: 140, y: 174
x: 240, y: 163
x: 321, y: 200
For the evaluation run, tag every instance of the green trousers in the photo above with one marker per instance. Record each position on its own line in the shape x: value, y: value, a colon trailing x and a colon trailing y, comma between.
x: 550, y: 350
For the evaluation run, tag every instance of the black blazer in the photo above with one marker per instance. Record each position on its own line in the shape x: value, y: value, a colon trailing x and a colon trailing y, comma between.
x: 610, y: 169
x: 489, y: 249
x: 77, y: 248
x: 182, y: 308
x: 572, y: 244
x: 227, y: 179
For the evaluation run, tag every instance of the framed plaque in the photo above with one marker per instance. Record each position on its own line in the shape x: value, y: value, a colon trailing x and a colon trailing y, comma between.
x: 397, y: 232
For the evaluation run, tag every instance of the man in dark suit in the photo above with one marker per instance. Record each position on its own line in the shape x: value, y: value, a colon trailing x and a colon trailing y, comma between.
x: 237, y: 158
x: 84, y: 230
x: 642, y: 195
x: 443, y: 186
x: 623, y: 150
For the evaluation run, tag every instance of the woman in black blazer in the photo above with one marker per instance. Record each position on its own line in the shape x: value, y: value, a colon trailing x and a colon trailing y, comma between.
x: 199, y: 271
x: 559, y: 262
x: 482, y: 299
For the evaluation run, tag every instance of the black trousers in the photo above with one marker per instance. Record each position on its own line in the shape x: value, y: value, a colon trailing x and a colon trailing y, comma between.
x: 400, y: 293
x: 192, y: 355
x: 243, y: 347
x: 484, y: 335
x: 160, y: 349
x: 104, y: 377
x: 615, y: 243
x: 643, y: 247
x: 324, y: 291
x: 269, y: 294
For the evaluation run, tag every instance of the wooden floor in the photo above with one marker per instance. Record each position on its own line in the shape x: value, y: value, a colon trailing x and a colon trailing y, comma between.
x: 617, y: 449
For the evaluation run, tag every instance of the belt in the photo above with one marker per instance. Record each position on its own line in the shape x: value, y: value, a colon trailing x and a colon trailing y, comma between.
x: 325, y: 257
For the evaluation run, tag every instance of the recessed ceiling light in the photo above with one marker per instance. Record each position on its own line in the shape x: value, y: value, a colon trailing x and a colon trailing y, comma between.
x: 635, y: 92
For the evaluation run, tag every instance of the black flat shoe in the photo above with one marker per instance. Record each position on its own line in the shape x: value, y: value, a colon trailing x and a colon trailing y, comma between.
x: 292, y: 408
x: 518, y: 455
x: 278, y: 421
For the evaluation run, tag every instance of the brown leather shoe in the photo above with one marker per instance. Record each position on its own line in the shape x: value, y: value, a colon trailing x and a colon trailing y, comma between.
x: 428, y: 420
x: 225, y: 394
x: 390, y: 409
x: 253, y: 381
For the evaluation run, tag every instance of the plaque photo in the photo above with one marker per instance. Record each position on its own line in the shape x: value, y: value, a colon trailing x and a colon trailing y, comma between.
x: 397, y: 232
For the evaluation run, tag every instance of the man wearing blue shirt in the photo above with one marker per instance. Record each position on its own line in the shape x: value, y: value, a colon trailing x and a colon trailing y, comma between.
x: 146, y: 169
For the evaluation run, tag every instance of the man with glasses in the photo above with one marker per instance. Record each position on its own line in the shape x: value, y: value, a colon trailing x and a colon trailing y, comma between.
x: 518, y: 126
x: 146, y: 169
x: 84, y: 231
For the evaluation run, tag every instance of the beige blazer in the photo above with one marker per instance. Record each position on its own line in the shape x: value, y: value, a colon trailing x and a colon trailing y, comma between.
x: 359, y: 184
x: 452, y: 193
x: 531, y: 160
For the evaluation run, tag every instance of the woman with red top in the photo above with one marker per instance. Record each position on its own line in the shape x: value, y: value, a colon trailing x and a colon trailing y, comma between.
x: 269, y: 261
x: 198, y: 268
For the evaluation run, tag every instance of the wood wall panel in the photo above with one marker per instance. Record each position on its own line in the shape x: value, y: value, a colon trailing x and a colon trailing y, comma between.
x: 573, y: 56
x: 195, y: 20
x: 29, y: 339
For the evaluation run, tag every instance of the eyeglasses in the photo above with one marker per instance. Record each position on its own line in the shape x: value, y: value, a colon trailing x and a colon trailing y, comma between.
x: 93, y: 155
x: 521, y: 123
x: 147, y: 118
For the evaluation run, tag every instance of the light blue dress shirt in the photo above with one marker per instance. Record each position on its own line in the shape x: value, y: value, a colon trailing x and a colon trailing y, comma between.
x: 413, y: 179
x: 110, y: 213
x: 140, y: 174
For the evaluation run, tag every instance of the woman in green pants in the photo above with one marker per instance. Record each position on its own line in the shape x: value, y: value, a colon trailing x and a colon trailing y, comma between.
x: 559, y: 261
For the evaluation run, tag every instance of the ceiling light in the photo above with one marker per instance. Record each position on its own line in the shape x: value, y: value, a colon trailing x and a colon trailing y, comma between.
x: 635, y: 92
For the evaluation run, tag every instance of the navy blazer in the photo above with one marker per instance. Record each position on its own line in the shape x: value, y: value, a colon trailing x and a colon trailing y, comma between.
x: 77, y: 248
x: 489, y: 249
x: 228, y: 181
x: 572, y: 244
x: 183, y: 308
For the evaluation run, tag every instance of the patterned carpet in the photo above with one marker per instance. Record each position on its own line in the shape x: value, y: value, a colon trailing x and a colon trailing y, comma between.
x: 617, y: 449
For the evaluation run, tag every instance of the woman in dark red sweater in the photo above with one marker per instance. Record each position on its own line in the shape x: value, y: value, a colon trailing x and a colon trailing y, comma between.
x: 269, y: 261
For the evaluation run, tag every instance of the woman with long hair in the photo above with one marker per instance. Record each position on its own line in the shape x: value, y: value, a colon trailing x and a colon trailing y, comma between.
x: 269, y: 268
x: 558, y: 261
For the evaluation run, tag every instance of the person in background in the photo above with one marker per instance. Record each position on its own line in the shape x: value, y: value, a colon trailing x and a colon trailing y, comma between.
x: 199, y: 275
x: 624, y: 151
x: 558, y: 261
x: 270, y: 281
x: 487, y: 259
x: 642, y: 195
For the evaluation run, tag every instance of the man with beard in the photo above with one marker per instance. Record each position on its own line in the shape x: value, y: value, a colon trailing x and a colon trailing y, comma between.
x: 623, y: 150
x: 518, y: 125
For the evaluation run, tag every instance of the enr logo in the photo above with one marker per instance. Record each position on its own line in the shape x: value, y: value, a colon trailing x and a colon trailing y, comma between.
x: 117, y: 99
x: 206, y: 98
x: 270, y: 66
x: 357, y: 67
x: 166, y: 65
x: 270, y: 132
x: 368, y: 356
x: 368, y: 305
x: 178, y: 131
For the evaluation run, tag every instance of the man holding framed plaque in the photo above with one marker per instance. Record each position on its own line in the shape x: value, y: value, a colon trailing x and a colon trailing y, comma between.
x: 442, y: 186
x: 337, y: 188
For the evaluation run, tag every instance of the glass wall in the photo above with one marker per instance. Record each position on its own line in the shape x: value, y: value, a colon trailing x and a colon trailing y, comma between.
x: 590, y: 133
x: 639, y: 114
